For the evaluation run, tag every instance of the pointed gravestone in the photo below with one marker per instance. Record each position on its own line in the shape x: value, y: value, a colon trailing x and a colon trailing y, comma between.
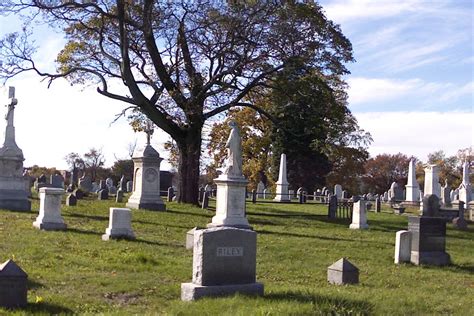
x: 13, y: 285
x: 282, y: 193
x: 412, y: 187
x: 343, y: 272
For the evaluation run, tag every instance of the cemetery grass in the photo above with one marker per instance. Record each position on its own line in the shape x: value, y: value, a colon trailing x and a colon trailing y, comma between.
x: 76, y: 272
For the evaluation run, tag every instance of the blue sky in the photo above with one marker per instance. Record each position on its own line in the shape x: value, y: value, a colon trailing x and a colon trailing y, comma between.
x: 411, y: 86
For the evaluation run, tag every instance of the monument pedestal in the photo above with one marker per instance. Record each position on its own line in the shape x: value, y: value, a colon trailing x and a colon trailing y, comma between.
x: 49, y: 217
x: 191, y: 291
x: 146, y: 181
x: 428, y: 241
x: 230, y: 205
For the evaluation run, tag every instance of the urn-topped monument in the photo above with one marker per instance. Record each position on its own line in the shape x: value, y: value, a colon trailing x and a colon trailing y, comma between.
x: 231, y: 186
x: 146, y: 179
x: 13, y: 194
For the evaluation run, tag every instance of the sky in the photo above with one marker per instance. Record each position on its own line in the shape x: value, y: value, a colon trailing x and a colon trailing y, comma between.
x: 411, y: 87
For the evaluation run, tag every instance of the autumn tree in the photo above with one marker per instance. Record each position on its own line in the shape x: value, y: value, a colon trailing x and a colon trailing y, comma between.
x: 384, y: 169
x: 181, y: 63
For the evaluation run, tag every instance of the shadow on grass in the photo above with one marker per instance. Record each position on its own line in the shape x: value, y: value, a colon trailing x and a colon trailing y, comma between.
x: 325, y: 304
x: 265, y: 232
x: 94, y: 217
x: 156, y: 243
x: 22, y: 212
x: 46, y: 308
x: 33, y: 284
x: 319, y: 218
x: 190, y: 213
x: 83, y: 231
x: 453, y: 268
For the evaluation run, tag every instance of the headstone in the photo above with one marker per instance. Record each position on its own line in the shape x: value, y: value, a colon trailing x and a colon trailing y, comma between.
x: 378, y: 205
x: 205, y: 201
x: 266, y: 194
x: 103, y: 194
x: 13, y: 285
x: 254, y: 196
x: 85, y: 184
x: 395, y: 192
x: 71, y: 200
x: 109, y: 182
x: 201, y: 194
x: 57, y: 181
x: 428, y: 240
x: 431, y: 180
x: 170, y: 194
x: 42, y: 179
x: 231, y: 186
x: 129, y: 186
x: 13, y: 194
x: 332, y: 207
x: 146, y: 179
x: 78, y: 193
x: 119, y: 196
x: 190, y: 238
x: 95, y: 187
x: 412, y: 187
x: 430, y: 205
x: 460, y: 222
x: 102, y: 185
x: 49, y: 217
x: 282, y: 193
x: 112, y: 189
x: 451, y: 195
x: 385, y: 197
x: 224, y: 263
x: 123, y: 184
x: 120, y: 224
x: 359, y: 216
x: 260, y: 189
x: 343, y: 272
x: 402, y: 246
x: 338, y: 191
x: 444, y: 194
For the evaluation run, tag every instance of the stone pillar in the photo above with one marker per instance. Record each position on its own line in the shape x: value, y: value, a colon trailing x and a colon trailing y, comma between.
x: 431, y: 180
x: 359, y: 216
x: 402, y: 246
x: 146, y: 180
x: 120, y: 226
x: 465, y: 189
x: 412, y: 187
x: 282, y: 194
x: 49, y: 217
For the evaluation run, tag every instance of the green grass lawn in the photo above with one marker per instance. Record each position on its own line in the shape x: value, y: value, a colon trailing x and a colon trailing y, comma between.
x: 76, y: 272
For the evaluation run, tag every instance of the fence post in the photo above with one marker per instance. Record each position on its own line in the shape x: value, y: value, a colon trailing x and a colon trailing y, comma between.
x: 254, y: 196
x: 332, y: 207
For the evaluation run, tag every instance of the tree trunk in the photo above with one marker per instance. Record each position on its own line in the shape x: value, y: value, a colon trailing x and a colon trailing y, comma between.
x: 188, y: 166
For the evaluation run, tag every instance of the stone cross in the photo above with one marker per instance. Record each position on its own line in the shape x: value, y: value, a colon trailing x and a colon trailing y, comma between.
x: 148, y: 131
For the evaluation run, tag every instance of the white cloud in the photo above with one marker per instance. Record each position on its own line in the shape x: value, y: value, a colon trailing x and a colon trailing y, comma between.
x: 457, y: 92
x: 345, y: 10
x: 418, y: 133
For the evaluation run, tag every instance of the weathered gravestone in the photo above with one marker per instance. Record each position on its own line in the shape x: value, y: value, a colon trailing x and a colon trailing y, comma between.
x: 129, y: 186
x: 224, y: 263
x: 170, y: 194
x: 119, y: 196
x: 13, y: 285
x: 378, y: 205
x: 95, y: 187
x: 343, y: 272
x: 71, y: 200
x: 103, y: 194
x: 359, y: 216
x: 460, y: 222
x: 395, y: 192
x: 85, y: 184
x: 56, y: 181
x: 123, y: 184
x: 402, y: 246
x: 49, y: 217
x: 260, y: 189
x: 428, y: 235
x: 78, y: 193
x: 190, y: 238
x: 120, y: 224
x: 332, y: 207
x: 338, y: 191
